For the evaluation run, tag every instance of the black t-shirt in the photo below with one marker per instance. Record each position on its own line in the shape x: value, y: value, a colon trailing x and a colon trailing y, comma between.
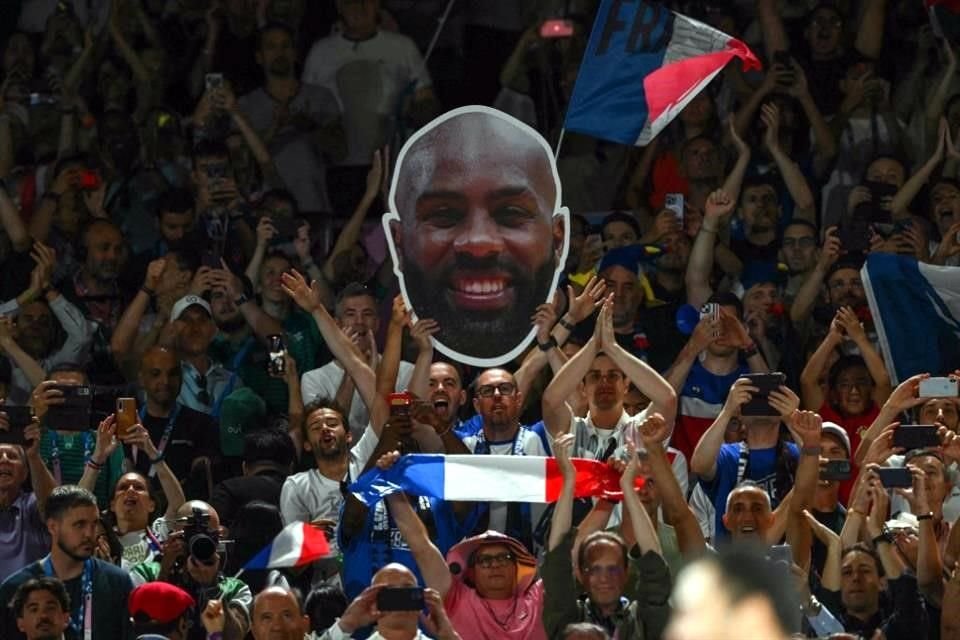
x: 232, y: 494
x: 111, y: 588
x: 194, y: 435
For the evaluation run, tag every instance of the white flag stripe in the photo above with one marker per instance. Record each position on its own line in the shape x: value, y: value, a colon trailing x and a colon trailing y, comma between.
x: 481, y: 478
x: 286, y: 548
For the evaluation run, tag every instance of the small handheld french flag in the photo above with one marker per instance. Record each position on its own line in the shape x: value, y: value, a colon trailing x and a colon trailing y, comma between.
x: 486, y: 479
x: 642, y: 66
x: 299, y: 543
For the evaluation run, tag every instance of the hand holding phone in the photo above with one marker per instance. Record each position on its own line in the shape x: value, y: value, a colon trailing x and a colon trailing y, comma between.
x: 126, y: 416
x: 943, y: 387
x: 759, y: 403
x: 916, y: 436
x: 276, y: 356
x: 400, y: 599
x: 895, y: 477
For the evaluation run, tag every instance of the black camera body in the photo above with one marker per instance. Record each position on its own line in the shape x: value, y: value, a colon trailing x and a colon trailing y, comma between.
x: 201, y: 543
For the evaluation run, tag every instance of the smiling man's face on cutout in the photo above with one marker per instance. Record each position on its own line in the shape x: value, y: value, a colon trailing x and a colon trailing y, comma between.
x: 477, y: 231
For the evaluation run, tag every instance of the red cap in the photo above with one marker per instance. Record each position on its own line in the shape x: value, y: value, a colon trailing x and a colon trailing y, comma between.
x: 159, y: 601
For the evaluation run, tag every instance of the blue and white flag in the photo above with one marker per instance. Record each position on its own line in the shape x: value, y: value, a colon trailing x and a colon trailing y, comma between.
x: 642, y: 66
x: 916, y: 311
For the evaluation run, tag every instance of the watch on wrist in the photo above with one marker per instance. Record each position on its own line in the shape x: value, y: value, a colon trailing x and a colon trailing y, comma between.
x: 548, y: 345
x: 885, y: 536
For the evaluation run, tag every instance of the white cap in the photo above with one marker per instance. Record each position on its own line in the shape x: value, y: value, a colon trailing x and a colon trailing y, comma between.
x: 186, y: 302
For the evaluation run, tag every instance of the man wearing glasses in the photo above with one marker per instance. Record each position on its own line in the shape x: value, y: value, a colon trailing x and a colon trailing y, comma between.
x: 798, y: 249
x: 603, y: 370
x: 498, y: 402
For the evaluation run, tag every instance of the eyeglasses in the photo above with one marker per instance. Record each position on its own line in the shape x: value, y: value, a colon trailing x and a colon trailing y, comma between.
x: 202, y: 395
x: 804, y: 243
x: 859, y: 383
x: 594, y: 377
x: 598, y: 571
x: 505, y: 389
x: 824, y: 21
x: 487, y: 561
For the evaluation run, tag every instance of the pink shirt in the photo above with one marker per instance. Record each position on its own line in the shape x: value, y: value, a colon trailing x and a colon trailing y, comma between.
x: 477, y: 618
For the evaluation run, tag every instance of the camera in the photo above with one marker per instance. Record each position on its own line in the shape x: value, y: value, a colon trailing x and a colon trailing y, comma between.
x: 201, y: 543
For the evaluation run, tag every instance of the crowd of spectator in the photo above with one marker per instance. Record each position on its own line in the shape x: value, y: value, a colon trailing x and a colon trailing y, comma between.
x: 190, y: 201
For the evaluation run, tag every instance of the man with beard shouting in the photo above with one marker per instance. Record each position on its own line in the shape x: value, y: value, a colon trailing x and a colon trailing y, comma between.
x: 476, y: 231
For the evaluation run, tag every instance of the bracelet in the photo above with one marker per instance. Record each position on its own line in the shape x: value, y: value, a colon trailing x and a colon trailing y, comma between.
x: 147, y: 290
x: 157, y: 460
x: 706, y: 230
x: 810, y: 451
x: 880, y: 538
x: 548, y: 345
x: 96, y: 466
x: 566, y: 324
x: 925, y: 516
x: 750, y: 351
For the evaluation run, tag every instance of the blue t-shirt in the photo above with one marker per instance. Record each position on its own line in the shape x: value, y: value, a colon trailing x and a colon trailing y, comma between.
x: 474, y: 424
x: 379, y: 542
x: 761, y: 468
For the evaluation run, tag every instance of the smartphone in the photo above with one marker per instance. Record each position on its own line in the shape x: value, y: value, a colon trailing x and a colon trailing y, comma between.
x: 895, y: 477
x: 39, y: 99
x: 90, y: 180
x: 286, y: 228
x: 126, y: 416
x: 938, y: 388
x: 400, y: 599
x: 854, y: 232
x: 556, y: 28
x: 277, y: 356
x: 781, y: 553
x: 759, y: 404
x: 674, y: 202
x: 18, y: 419
x: 916, y: 436
x: 400, y: 403
x: 76, y: 412
x: 835, y: 470
x: 213, y: 81
x: 210, y: 260
x: 711, y: 310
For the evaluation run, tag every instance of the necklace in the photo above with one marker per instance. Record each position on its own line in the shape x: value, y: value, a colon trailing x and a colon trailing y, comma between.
x: 513, y: 610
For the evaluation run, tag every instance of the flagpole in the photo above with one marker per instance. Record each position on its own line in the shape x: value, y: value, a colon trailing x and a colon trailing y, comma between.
x: 556, y: 154
x: 239, y: 573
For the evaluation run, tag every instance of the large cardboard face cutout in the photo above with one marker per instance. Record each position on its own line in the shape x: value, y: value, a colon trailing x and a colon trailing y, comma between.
x: 476, y: 231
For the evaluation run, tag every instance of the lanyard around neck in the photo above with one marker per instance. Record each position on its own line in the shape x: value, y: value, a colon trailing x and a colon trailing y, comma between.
x: 167, y: 432
x: 81, y: 619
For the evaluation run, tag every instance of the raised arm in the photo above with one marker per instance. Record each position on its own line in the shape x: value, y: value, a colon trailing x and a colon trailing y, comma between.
x: 643, y: 529
x: 556, y: 413
x: 350, y: 233
x: 734, y: 179
x: 810, y: 389
x: 929, y: 562
x: 262, y: 323
x: 870, y: 34
x: 719, y: 205
x: 650, y: 383
x: 771, y: 25
x: 830, y: 578
x: 789, y: 170
x: 389, y: 366
x: 905, y: 195
x: 806, y: 427
x: 24, y: 361
x: 704, y: 460
x: 340, y: 345
x: 893, y: 565
x: 41, y: 480
x: 432, y: 564
x: 903, y: 398
x: 124, y: 335
x: 676, y: 512
x: 12, y: 222
x: 809, y: 291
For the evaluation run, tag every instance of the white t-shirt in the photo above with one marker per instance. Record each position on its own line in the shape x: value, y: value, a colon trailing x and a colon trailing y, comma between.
x: 371, y: 90
x: 324, y: 382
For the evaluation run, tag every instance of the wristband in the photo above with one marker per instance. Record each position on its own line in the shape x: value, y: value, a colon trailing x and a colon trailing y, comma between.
x: 925, y: 516
x: 879, y: 539
x: 566, y: 324
x: 96, y: 466
x: 885, y: 536
x: 810, y: 451
x: 750, y: 351
x: 147, y: 290
x: 156, y: 460
x: 548, y: 345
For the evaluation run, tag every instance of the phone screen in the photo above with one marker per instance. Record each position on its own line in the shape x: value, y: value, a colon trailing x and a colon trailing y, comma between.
x: 126, y: 415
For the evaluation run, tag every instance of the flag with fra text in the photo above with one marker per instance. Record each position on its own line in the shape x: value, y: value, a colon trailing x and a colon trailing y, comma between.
x: 642, y: 66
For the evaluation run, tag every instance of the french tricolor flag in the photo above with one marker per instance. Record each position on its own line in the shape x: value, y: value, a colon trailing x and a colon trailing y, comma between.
x: 299, y: 543
x: 642, y: 66
x: 486, y: 479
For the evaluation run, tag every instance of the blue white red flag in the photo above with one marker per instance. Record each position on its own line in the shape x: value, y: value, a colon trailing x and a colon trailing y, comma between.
x: 642, y: 66
x: 299, y: 543
x: 916, y: 311
x: 486, y: 479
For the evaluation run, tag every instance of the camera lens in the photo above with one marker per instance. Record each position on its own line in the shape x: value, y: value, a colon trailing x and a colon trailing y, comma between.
x: 202, y: 547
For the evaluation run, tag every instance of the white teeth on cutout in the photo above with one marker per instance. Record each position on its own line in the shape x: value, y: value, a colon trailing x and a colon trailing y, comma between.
x: 482, y: 287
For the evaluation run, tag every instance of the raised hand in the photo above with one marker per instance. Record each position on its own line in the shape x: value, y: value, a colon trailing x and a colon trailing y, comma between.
x: 831, y: 249
x: 265, y: 231
x: 653, y: 432
x: 544, y: 319
x: 387, y: 460
x: 106, y: 442
x: 739, y: 394
x: 770, y: 116
x: 851, y: 325
x: 154, y: 274
x: 742, y: 147
x: 421, y: 332
x: 822, y: 532
x: 592, y: 296
x: 213, y: 617
x: 306, y: 296
x: 806, y: 426
x: 562, y: 447
x: 882, y: 446
x: 719, y: 204
x: 786, y: 402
